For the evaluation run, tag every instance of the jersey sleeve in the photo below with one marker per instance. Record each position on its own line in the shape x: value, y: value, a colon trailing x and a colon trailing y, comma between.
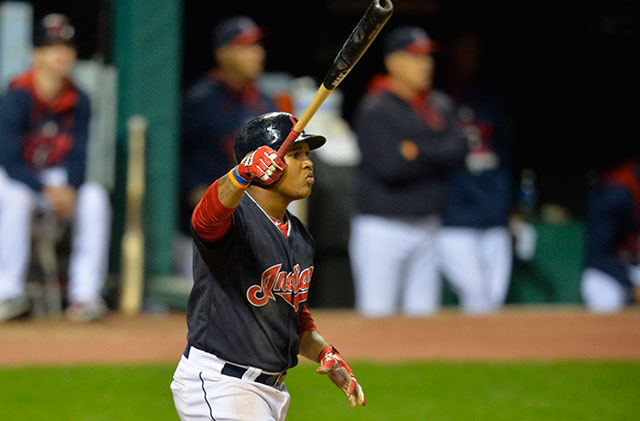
x: 211, y: 219
x: 14, y: 120
x: 76, y: 161
x: 306, y: 320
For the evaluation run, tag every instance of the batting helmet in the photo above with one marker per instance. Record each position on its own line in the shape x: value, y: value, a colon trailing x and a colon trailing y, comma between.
x: 270, y: 129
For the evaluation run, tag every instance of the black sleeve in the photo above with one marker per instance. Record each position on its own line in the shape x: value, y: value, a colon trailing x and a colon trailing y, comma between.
x: 77, y: 159
x: 379, y: 132
x: 447, y: 150
x: 14, y: 121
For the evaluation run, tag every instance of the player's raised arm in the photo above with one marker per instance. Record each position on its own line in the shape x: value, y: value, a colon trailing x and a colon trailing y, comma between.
x: 211, y: 218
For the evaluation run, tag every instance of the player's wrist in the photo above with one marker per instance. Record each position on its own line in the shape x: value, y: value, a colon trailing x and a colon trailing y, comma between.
x: 327, y: 349
x: 237, y: 179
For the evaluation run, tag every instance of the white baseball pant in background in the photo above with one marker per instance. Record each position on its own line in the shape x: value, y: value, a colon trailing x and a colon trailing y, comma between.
x: 201, y: 392
x: 477, y: 263
x: 602, y: 293
x: 394, y: 264
x: 91, y: 229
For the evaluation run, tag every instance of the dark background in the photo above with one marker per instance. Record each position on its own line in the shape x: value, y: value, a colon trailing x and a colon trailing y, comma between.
x: 568, y: 69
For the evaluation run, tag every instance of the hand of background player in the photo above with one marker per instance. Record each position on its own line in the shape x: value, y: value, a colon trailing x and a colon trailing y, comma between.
x: 62, y: 200
x: 262, y: 163
x: 333, y: 365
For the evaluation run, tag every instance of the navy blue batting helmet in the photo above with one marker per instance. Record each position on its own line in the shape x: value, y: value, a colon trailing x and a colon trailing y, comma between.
x: 270, y: 129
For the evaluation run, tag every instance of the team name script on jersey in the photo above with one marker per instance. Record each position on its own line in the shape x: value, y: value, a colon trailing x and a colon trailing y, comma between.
x: 292, y: 286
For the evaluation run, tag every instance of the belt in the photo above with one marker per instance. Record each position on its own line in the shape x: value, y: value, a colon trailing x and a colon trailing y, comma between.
x: 233, y: 370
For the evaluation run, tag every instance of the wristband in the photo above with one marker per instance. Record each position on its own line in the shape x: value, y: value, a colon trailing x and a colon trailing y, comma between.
x: 238, y: 180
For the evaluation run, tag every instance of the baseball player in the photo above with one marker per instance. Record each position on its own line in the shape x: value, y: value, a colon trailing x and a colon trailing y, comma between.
x: 44, y: 122
x: 253, y: 262
x: 474, y: 244
x: 612, y: 258
x: 410, y: 138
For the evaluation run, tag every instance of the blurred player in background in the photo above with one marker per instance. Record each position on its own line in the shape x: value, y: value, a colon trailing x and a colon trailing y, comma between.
x: 410, y: 140
x: 44, y: 121
x: 253, y: 264
x: 214, y: 109
x: 612, y: 262
x: 475, y: 245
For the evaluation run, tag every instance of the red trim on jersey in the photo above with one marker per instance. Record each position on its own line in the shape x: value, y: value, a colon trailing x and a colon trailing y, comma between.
x: 626, y: 176
x: 306, y: 320
x: 64, y: 101
x: 283, y: 226
x: 211, y: 219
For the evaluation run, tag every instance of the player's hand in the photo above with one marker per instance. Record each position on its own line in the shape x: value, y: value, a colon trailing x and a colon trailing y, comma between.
x: 62, y: 199
x: 262, y: 163
x: 333, y: 365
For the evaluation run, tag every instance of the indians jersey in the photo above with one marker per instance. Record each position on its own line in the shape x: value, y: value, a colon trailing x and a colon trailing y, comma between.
x: 37, y: 135
x: 249, y: 288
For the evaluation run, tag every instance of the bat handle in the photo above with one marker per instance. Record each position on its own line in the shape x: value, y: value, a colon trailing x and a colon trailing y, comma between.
x: 308, y: 113
x: 286, y: 145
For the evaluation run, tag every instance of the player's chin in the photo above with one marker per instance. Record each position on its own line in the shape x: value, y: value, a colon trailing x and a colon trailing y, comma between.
x: 304, y: 192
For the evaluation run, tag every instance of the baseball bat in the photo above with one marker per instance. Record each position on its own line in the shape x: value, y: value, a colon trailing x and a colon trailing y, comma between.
x: 132, y: 281
x: 374, y: 18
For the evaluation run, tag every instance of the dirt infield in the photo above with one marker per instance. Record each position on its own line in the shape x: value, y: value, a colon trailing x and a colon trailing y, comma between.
x: 514, y: 334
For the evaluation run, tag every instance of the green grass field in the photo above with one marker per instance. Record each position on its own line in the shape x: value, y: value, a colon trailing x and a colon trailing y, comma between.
x: 418, y: 391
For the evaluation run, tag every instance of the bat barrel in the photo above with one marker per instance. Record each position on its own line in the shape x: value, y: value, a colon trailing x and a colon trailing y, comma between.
x: 374, y: 18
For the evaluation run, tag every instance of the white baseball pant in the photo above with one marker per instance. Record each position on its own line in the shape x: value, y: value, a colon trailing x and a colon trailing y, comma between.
x: 602, y: 293
x: 90, y: 238
x: 201, y: 392
x: 394, y: 265
x: 477, y: 263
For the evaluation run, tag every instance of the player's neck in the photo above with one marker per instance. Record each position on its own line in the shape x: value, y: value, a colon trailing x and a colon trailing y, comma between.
x: 46, y: 85
x: 403, y: 90
x: 235, y: 80
x: 274, y: 204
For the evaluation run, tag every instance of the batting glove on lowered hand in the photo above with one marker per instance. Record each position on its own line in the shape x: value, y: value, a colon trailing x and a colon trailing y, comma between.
x: 262, y: 163
x: 333, y: 365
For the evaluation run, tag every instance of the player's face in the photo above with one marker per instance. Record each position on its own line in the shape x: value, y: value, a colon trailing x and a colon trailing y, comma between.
x: 246, y: 61
x: 415, y: 71
x: 298, y: 178
x: 57, y: 59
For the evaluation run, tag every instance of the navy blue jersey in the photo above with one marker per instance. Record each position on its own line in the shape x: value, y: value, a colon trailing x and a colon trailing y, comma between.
x: 479, y: 194
x: 249, y: 288
x: 213, y: 113
x: 35, y: 135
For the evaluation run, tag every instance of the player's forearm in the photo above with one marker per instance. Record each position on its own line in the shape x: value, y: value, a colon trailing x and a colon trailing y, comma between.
x: 229, y: 193
x: 311, y: 344
x: 211, y: 217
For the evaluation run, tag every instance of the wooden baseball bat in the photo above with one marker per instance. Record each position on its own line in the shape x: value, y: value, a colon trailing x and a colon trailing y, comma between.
x: 132, y: 280
x: 374, y: 18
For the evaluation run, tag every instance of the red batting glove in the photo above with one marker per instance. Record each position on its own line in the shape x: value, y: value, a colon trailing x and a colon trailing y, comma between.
x: 262, y: 163
x: 333, y: 365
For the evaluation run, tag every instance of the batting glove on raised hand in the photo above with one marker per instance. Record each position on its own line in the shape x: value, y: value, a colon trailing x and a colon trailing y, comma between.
x: 333, y: 365
x: 262, y: 163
